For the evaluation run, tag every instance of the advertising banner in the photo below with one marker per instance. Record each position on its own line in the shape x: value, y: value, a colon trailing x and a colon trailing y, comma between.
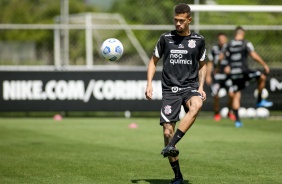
x: 101, y: 91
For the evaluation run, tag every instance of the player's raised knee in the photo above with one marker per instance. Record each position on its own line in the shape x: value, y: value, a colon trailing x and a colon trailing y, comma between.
x: 263, y: 77
x: 196, y: 105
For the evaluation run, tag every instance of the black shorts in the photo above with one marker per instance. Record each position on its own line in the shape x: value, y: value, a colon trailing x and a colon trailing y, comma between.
x: 220, y: 84
x: 171, y: 104
x: 241, y: 81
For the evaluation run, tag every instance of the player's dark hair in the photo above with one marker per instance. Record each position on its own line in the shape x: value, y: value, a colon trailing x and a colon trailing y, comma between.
x: 182, y: 8
x: 239, y: 28
x: 221, y: 34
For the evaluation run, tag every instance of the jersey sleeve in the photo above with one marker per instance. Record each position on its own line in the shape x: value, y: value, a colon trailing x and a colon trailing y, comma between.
x: 225, y: 51
x: 202, y: 49
x: 210, y: 55
x: 159, y: 48
x: 224, y: 48
x: 250, y: 47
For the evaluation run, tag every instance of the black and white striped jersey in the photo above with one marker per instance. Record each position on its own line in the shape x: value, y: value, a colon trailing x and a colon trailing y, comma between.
x: 236, y: 52
x: 213, y: 56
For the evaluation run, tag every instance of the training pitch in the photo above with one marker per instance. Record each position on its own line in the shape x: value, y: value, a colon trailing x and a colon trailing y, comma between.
x: 107, y: 151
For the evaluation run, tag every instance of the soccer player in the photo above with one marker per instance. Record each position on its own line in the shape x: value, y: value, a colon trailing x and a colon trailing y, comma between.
x: 218, y: 79
x: 183, y: 76
x: 237, y: 52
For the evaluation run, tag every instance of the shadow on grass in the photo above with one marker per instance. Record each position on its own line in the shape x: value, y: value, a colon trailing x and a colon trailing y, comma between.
x: 157, y: 181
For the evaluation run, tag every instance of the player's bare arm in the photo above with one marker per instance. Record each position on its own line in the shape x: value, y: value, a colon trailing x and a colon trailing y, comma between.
x: 258, y: 59
x: 202, y: 76
x: 209, y: 73
x: 220, y: 58
x: 150, y: 74
x: 227, y: 69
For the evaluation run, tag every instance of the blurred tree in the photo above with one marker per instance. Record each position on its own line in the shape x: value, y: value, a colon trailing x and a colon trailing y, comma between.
x: 146, y: 12
x: 34, y: 12
x: 161, y: 12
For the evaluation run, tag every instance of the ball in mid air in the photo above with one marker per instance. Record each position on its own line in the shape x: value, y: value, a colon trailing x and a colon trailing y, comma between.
x: 111, y: 49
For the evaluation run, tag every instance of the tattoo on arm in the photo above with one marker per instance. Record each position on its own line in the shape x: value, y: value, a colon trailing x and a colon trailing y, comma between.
x: 202, y: 74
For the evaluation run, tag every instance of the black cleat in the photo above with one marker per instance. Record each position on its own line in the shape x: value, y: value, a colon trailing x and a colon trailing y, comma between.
x: 176, y: 181
x: 170, y: 151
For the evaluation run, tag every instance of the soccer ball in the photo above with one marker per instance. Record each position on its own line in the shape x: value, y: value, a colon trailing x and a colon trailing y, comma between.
x: 182, y: 113
x: 111, y: 49
x: 242, y: 112
x: 251, y: 112
x: 264, y: 93
x: 222, y: 92
x: 262, y: 112
x: 223, y: 112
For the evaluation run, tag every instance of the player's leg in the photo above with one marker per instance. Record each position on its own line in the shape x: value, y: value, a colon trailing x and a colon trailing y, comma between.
x: 227, y: 85
x: 230, y: 100
x: 230, y: 114
x: 215, y: 89
x: 235, y: 106
x: 171, y: 106
x: 170, y: 150
x: 194, y: 104
x: 168, y: 130
x: 261, y: 84
x: 216, y: 108
x: 235, y: 95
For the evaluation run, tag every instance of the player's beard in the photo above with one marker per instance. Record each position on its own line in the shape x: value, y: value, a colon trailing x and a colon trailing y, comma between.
x: 182, y: 29
x: 179, y: 29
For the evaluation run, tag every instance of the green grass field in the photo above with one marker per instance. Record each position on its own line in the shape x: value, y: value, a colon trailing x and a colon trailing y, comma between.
x: 106, y: 151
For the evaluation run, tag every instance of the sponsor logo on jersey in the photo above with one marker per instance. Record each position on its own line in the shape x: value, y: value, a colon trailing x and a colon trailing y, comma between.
x: 179, y: 51
x: 169, y: 34
x: 236, y: 57
x: 235, y: 49
x: 181, y: 46
x: 177, y: 57
x: 236, y: 42
x: 192, y: 43
x: 196, y: 36
x: 175, y: 89
x: 180, y: 61
x: 167, y: 109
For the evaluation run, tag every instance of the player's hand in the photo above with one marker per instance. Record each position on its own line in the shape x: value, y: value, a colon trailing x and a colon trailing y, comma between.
x: 216, y: 69
x: 149, y: 92
x: 227, y: 70
x: 203, y: 93
x: 266, y: 69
